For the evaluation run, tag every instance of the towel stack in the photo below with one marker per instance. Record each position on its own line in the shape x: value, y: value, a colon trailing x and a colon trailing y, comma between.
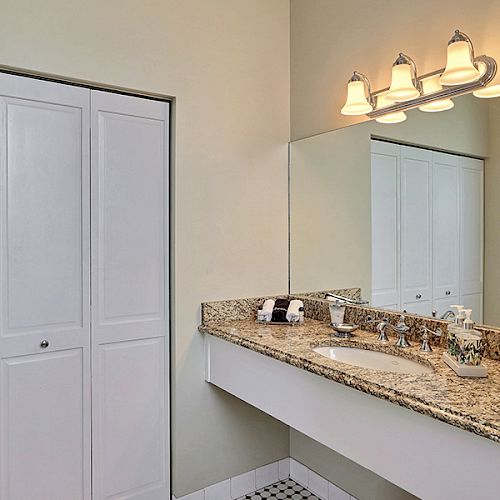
x: 281, y: 311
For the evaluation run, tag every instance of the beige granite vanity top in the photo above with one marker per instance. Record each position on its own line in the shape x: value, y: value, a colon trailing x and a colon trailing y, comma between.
x: 471, y: 404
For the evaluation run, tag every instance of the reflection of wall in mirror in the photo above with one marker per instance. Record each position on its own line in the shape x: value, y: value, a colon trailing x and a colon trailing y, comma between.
x: 330, y: 193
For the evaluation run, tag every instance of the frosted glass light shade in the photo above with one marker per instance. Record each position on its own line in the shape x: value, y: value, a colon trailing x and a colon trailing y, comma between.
x: 492, y: 89
x: 396, y: 117
x: 459, y: 65
x: 357, y: 103
x: 430, y: 86
x: 488, y: 92
x: 402, y: 87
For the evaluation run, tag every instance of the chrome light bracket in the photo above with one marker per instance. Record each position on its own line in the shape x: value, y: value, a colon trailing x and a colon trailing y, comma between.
x: 447, y: 92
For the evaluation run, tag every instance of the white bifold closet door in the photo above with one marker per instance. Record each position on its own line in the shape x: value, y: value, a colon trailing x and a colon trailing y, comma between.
x: 129, y: 297
x: 44, y: 294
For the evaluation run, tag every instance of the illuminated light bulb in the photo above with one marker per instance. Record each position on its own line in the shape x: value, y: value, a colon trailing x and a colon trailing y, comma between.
x: 460, y: 67
x: 395, y: 117
x: 431, y: 86
x: 402, y: 82
x: 357, y: 102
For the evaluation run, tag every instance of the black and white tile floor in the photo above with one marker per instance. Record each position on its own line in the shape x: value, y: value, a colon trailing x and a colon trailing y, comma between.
x: 287, y: 489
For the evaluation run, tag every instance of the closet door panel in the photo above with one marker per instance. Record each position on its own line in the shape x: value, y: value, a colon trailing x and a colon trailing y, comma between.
x: 129, y: 223
x: 132, y: 427
x: 44, y: 425
x: 129, y: 297
x: 416, y: 188
x: 385, y: 224
x: 44, y: 290
x: 422, y: 307
x: 446, y: 218
x: 43, y: 217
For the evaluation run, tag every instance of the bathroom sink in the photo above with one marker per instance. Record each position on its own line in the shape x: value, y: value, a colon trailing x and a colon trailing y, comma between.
x: 373, y: 360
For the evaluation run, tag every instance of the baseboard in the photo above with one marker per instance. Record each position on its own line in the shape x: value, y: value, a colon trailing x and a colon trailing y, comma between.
x: 249, y: 482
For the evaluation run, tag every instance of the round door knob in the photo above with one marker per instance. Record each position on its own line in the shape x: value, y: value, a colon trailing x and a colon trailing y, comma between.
x: 419, y: 296
x: 448, y: 292
x: 44, y: 344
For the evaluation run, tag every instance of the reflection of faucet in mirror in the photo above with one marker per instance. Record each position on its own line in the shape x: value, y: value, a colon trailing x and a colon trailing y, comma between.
x: 341, y: 300
x: 447, y: 315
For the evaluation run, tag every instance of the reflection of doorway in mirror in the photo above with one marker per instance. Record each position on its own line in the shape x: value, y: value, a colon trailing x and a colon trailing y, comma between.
x: 427, y: 230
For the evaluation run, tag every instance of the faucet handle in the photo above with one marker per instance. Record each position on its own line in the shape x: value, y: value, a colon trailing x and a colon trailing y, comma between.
x: 424, y: 331
x: 402, y: 326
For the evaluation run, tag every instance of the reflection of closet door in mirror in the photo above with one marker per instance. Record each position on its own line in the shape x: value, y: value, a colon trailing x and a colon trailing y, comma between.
x: 472, y: 236
x: 416, y: 188
x: 385, y: 224
x: 445, y: 231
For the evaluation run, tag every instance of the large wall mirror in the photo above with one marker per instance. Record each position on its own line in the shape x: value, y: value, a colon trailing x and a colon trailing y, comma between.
x: 408, y: 212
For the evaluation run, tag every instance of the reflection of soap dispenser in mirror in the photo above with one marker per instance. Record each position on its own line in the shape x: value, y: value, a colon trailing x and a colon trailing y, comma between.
x: 454, y: 328
x: 467, y: 348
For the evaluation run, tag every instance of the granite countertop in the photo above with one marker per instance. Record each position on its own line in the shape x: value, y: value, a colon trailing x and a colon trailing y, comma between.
x: 469, y: 403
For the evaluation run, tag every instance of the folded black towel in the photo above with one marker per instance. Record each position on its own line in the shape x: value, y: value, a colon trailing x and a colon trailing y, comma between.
x: 280, y: 310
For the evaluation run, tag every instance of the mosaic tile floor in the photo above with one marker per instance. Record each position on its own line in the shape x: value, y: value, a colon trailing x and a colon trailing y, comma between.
x: 287, y: 489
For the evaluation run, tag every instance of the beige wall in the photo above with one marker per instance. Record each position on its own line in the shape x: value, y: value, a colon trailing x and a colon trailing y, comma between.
x: 348, y: 475
x: 331, y: 39
x: 330, y: 190
x: 227, y: 63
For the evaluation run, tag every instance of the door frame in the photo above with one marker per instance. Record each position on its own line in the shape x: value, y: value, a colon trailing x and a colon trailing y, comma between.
x: 170, y: 163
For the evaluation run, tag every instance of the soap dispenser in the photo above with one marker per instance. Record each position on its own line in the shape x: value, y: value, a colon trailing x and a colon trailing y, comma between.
x: 469, y: 342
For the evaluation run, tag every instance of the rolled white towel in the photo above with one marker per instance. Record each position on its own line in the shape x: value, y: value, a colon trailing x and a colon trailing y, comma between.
x: 293, y: 313
x: 267, y: 309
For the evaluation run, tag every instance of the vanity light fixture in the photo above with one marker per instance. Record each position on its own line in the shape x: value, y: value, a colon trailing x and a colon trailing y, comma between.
x: 460, y: 64
x: 404, y: 84
x: 358, y: 103
x: 464, y: 74
x: 431, y: 86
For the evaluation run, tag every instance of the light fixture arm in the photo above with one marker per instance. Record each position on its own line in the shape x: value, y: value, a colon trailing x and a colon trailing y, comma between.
x: 357, y: 76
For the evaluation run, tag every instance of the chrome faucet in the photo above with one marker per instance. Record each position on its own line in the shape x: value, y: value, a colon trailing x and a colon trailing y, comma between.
x: 401, y: 329
x: 424, y: 331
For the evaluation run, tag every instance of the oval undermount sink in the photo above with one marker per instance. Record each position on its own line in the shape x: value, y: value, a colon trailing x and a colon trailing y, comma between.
x: 373, y: 360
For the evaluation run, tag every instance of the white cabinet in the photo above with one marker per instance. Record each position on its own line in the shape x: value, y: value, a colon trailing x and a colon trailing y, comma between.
x: 427, y: 230
x: 84, y: 364
x: 129, y: 308
x: 44, y: 302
